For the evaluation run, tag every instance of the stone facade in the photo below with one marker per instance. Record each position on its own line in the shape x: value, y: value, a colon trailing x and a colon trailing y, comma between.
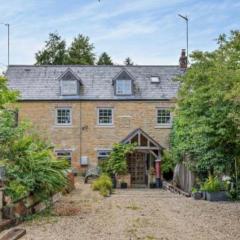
x: 85, y: 137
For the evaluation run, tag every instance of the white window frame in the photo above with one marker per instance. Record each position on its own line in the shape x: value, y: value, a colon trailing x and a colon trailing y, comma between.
x: 69, y: 94
x: 123, y: 93
x: 56, y: 116
x: 98, y: 116
x: 102, y: 158
x: 164, y: 124
x: 64, y: 151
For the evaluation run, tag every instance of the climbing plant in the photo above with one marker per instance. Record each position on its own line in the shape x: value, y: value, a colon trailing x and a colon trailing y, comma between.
x: 116, y: 164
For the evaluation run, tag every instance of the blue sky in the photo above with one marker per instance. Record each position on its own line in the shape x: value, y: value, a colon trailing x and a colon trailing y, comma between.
x: 149, y: 31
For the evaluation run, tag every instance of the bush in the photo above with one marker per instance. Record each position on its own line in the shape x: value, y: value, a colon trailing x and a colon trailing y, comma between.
x: 212, y: 184
x: 103, y: 184
x: 31, y: 167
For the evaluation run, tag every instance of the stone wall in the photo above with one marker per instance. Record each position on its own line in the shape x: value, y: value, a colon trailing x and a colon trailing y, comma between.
x: 84, y: 137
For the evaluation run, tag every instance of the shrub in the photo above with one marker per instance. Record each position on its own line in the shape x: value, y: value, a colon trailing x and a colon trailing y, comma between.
x: 103, y: 184
x: 30, y: 164
x: 212, y: 184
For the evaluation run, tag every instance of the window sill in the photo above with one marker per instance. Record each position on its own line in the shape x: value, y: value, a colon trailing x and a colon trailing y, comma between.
x: 105, y: 126
x: 164, y: 126
x: 63, y: 126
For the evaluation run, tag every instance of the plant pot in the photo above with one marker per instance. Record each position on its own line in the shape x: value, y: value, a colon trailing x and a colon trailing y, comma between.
x: 204, y: 195
x: 197, y: 195
x: 152, y: 185
x: 114, y: 181
x: 217, y: 196
x: 123, y: 185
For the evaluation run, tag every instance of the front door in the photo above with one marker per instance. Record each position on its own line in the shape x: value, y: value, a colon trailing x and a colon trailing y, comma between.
x: 137, y: 168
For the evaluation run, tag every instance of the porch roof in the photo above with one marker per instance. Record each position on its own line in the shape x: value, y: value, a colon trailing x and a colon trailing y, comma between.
x: 135, y: 136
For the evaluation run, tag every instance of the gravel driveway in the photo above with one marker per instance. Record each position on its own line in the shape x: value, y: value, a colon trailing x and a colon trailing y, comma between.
x: 136, y: 214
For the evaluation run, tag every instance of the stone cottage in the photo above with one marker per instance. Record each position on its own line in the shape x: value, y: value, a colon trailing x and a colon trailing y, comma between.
x: 84, y: 110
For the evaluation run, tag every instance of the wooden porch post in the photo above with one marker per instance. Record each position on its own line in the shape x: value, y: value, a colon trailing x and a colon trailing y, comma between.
x: 158, y: 173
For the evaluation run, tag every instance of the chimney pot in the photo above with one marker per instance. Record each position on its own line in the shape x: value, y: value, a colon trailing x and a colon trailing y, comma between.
x: 183, y: 59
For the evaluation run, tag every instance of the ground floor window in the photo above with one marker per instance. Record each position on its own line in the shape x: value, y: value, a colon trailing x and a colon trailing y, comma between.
x: 103, y: 154
x: 64, y: 154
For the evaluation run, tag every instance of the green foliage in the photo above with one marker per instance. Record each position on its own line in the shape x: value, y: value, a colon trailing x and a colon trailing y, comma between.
x: 29, y: 161
x: 6, y: 96
x: 206, y: 128
x: 103, y: 184
x: 212, y: 184
x: 104, y: 59
x: 116, y: 164
x: 167, y: 162
x: 81, y: 51
x: 16, y: 190
x: 54, y: 51
x: 128, y: 61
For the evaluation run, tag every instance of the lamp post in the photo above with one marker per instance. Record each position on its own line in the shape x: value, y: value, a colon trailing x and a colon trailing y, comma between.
x: 8, y: 27
x: 186, y: 19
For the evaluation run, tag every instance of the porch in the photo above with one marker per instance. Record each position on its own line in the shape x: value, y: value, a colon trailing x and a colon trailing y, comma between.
x: 144, y: 165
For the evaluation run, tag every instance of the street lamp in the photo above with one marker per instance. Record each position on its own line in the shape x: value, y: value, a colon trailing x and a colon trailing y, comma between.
x: 8, y: 27
x: 186, y: 19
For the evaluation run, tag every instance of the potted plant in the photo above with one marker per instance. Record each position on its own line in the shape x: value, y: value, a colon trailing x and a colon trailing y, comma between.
x: 123, y: 184
x: 196, y: 194
x: 214, y: 189
x: 152, y: 174
x: 116, y: 164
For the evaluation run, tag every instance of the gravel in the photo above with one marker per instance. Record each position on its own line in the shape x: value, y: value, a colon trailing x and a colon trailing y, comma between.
x: 136, y: 214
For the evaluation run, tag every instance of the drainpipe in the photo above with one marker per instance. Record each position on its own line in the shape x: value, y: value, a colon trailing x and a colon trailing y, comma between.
x: 158, y: 173
x: 80, y: 125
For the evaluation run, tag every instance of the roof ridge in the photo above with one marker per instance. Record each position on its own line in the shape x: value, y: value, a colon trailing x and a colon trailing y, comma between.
x: 78, y: 65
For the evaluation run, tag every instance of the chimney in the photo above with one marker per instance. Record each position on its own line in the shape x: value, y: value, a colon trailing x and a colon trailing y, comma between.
x: 183, y: 59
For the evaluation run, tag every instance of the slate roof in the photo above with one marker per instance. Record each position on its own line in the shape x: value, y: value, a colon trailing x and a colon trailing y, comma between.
x: 42, y: 82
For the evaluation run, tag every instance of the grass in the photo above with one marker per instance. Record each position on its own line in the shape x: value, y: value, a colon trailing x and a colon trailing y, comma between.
x: 46, y: 215
x: 149, y: 237
x: 133, y: 206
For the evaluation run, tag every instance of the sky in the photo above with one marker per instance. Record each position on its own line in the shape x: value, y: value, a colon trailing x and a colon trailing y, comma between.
x: 150, y: 32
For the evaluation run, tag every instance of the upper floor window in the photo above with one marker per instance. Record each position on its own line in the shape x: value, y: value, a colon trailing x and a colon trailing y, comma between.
x: 69, y: 83
x: 164, y: 116
x: 69, y: 87
x: 105, y: 116
x: 63, y: 116
x: 123, y: 87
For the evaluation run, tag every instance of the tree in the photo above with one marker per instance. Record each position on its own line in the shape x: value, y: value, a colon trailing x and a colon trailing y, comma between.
x: 104, y: 59
x: 54, y: 51
x: 206, y: 128
x: 6, y: 96
x: 81, y: 51
x: 128, y: 61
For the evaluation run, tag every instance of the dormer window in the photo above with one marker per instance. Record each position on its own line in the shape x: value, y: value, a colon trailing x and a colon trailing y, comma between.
x: 123, y: 83
x: 69, y: 83
x: 123, y: 87
x: 69, y: 87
